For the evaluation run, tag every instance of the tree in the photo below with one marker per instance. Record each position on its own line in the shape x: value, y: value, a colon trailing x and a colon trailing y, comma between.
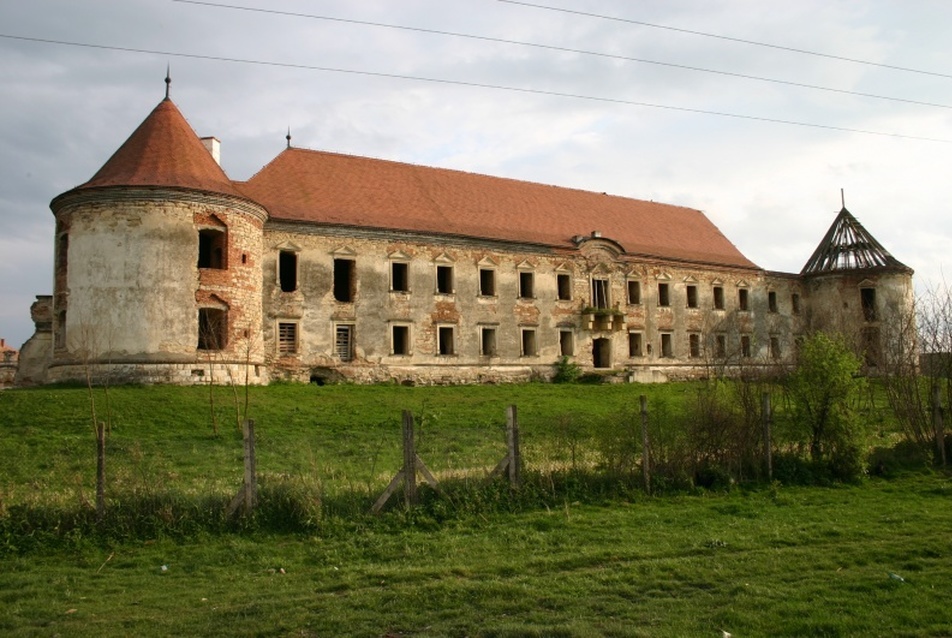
x: 823, y: 387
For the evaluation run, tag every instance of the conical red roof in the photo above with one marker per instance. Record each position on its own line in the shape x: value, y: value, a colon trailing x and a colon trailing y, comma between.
x: 163, y: 151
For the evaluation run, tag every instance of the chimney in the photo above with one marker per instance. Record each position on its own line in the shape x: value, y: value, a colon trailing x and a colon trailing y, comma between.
x: 213, y: 146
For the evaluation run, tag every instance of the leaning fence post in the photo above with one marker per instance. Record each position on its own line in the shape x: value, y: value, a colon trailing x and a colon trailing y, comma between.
x: 938, y: 426
x: 409, y: 460
x: 512, y: 440
x: 100, y: 471
x: 645, y: 448
x: 767, y: 418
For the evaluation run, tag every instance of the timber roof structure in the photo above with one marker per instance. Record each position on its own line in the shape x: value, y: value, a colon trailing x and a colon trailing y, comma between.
x: 848, y: 246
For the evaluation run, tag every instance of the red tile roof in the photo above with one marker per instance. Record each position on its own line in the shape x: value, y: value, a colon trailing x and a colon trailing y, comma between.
x: 163, y: 151
x: 330, y: 188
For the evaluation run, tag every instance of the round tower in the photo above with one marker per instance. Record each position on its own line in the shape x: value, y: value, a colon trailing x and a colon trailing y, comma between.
x: 158, y: 266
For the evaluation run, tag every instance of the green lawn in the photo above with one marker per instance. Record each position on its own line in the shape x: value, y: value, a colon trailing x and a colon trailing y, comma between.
x: 556, y: 559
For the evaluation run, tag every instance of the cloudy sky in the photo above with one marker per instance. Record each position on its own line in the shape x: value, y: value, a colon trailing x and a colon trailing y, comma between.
x: 756, y: 112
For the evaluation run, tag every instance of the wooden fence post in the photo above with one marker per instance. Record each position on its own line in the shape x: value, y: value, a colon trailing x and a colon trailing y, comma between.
x: 512, y: 440
x: 766, y: 417
x: 247, y: 496
x: 645, y: 445
x: 100, y: 471
x: 938, y: 425
x: 409, y: 460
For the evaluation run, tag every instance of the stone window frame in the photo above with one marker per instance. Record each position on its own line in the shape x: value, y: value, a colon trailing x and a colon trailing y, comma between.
x: 636, y: 344
x: 563, y: 331
x: 529, y: 341
x: 449, y: 329
x: 563, y: 286
x: 743, y: 296
x: 772, y: 301
x: 746, y: 346
x: 717, y: 295
x: 344, y: 254
x: 526, y: 281
x: 694, y: 345
x: 351, y: 329
x: 444, y: 268
x: 405, y: 325
x: 600, y: 286
x: 401, y: 260
x: 775, y: 350
x: 283, y: 249
x: 667, y: 344
x: 487, y: 349
x: 633, y: 291
x: 281, y: 330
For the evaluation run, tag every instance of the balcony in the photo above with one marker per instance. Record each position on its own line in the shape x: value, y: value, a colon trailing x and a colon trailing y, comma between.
x: 602, y: 319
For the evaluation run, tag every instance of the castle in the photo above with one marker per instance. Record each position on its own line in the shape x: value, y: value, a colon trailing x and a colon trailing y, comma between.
x: 325, y: 266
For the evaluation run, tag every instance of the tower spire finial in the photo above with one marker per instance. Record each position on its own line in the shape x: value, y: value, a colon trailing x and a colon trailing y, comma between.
x: 168, y: 79
x: 842, y: 198
x: 288, y: 137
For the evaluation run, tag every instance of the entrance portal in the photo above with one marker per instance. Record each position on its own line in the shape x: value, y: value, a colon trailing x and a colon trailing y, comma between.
x: 602, y: 353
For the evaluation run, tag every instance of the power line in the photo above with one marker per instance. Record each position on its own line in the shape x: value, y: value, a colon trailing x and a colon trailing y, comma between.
x: 560, y: 49
x: 727, y: 38
x: 480, y: 85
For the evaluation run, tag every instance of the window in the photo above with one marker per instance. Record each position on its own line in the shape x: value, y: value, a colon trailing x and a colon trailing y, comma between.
x: 772, y: 301
x: 399, y: 276
x: 564, y: 283
x: 694, y: 345
x: 487, y: 342
x: 742, y: 299
x: 287, y: 270
x: 795, y: 302
x: 667, y: 350
x: 212, y: 245
x: 566, y: 343
x: 444, y: 280
x: 287, y: 338
x: 745, y: 346
x: 487, y: 282
x: 634, y: 344
x: 718, y: 298
x: 344, y: 342
x: 400, y: 339
x: 600, y: 293
x: 212, y: 328
x: 344, y: 280
x: 526, y: 281
x: 692, y: 296
x: 60, y: 339
x: 445, y: 344
x: 634, y: 293
x: 529, y: 348
x: 868, y: 300
x: 720, y: 346
x: 774, y: 347
x: 663, y: 297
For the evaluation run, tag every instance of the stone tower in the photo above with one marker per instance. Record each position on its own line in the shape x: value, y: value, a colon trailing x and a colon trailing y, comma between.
x: 857, y: 289
x: 157, y: 271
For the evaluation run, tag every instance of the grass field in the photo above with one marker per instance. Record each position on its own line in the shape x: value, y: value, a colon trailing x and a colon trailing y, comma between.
x: 871, y: 559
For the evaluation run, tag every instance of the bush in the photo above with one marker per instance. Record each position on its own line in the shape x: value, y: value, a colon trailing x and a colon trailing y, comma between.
x: 566, y: 371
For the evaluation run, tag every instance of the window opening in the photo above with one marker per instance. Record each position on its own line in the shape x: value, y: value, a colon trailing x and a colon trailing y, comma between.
x: 444, y: 280
x: 566, y: 343
x: 663, y: 298
x: 634, y: 344
x: 399, y: 276
x: 720, y: 345
x: 564, y: 283
x: 287, y: 338
x: 745, y: 346
x: 287, y: 270
x: 487, y: 342
x: 487, y: 282
x: 692, y: 296
x: 526, y: 280
x: 344, y: 342
x: 667, y: 349
x: 529, y: 343
x: 212, y: 244
x: 795, y: 302
x: 400, y: 339
x: 774, y: 347
x: 634, y: 293
x: 212, y: 328
x: 445, y: 343
x: 600, y: 293
x: 868, y: 299
x: 60, y: 340
x: 601, y: 353
x: 743, y: 299
x: 718, y: 298
x: 694, y: 345
x: 344, y: 280
x: 772, y: 301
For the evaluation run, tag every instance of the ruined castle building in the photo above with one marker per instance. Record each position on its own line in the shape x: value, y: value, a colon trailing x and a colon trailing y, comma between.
x: 325, y: 266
